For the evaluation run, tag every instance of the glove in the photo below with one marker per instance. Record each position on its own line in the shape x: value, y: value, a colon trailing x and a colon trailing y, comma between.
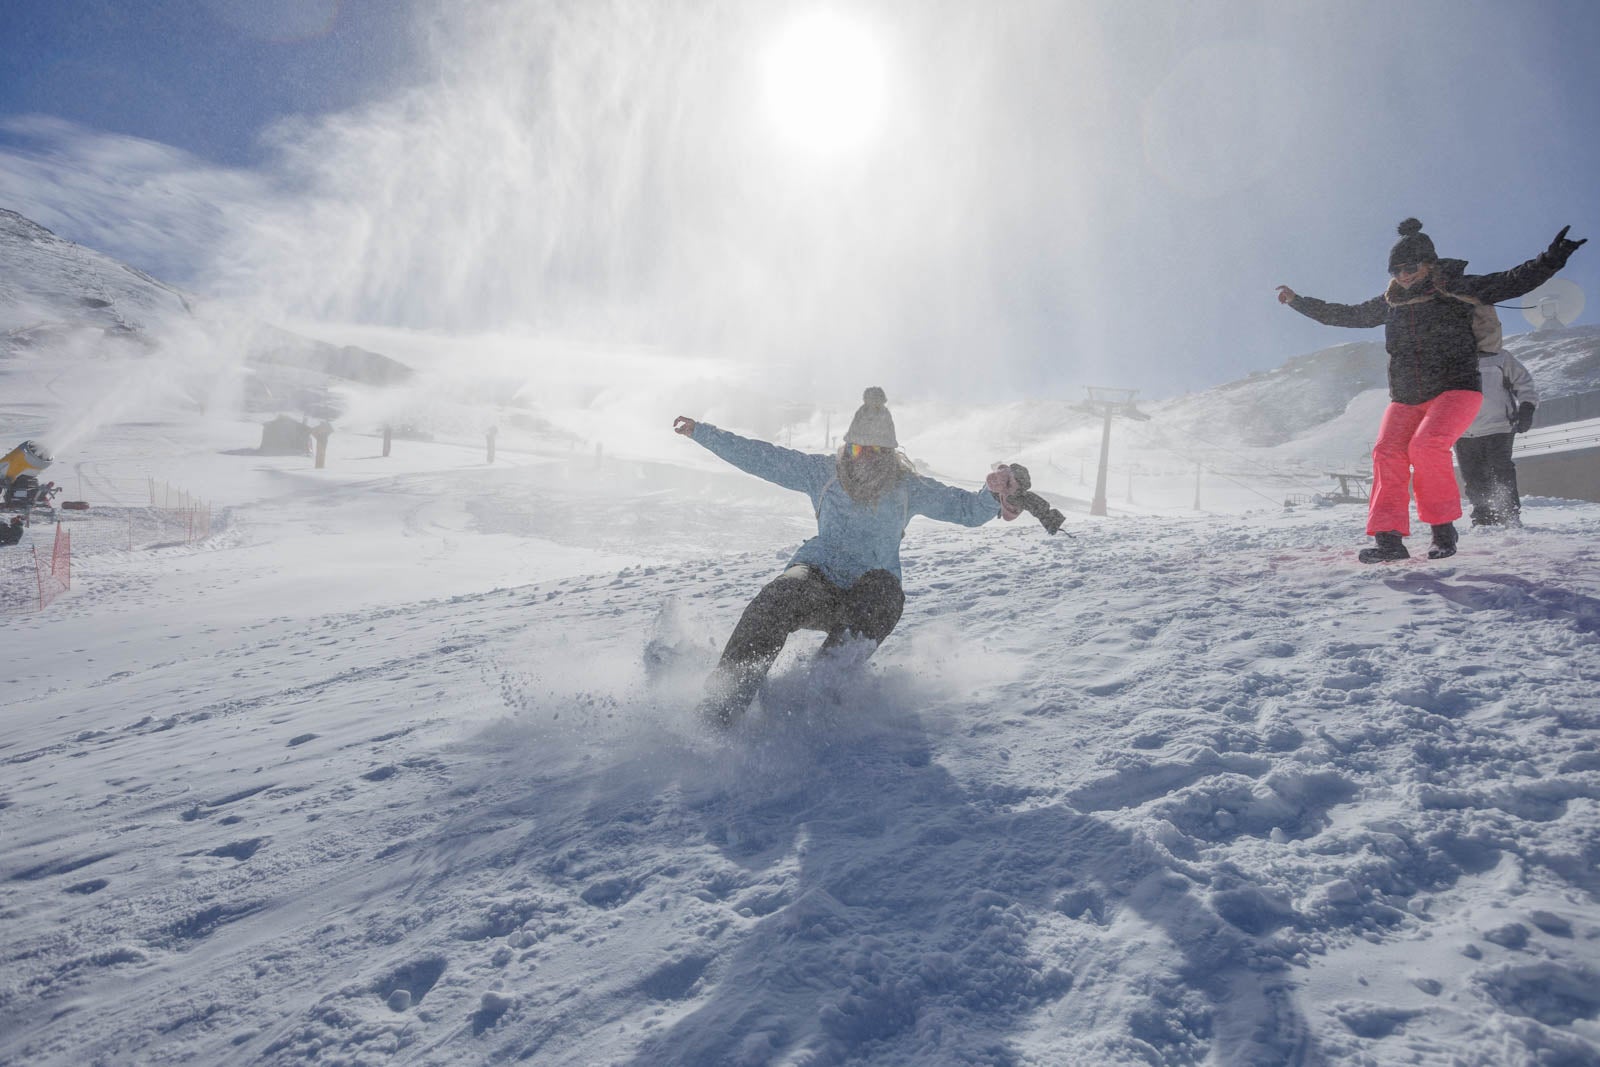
x: 1562, y: 247
x: 1003, y: 484
x: 1524, y: 417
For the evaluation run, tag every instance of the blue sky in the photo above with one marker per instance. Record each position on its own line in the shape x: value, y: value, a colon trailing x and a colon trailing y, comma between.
x: 202, y: 75
x: 1059, y: 194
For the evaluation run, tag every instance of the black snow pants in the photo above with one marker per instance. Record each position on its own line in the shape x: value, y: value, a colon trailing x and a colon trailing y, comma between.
x: 1490, y: 479
x: 799, y: 599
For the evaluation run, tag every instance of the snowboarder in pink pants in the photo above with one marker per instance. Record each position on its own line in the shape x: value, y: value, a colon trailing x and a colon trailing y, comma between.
x: 1428, y: 313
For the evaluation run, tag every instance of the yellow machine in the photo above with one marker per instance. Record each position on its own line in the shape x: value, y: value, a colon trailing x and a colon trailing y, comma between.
x: 24, y: 459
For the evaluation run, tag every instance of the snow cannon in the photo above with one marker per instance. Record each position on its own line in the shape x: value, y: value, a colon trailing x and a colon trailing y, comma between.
x: 26, y: 458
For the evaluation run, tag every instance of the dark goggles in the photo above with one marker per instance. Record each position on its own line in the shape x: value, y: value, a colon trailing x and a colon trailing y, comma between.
x: 857, y: 451
x: 1404, y: 268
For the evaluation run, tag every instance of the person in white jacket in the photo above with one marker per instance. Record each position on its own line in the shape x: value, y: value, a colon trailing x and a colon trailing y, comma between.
x: 1484, y: 451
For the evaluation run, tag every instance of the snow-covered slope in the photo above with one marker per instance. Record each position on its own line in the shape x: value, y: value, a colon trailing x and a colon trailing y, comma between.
x: 1563, y: 362
x: 1275, y: 434
x: 1273, y: 406
x: 46, y: 280
x: 400, y: 766
x: 1276, y: 406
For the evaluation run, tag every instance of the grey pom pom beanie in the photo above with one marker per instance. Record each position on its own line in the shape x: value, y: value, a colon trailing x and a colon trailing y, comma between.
x: 873, y: 424
x: 1414, y: 246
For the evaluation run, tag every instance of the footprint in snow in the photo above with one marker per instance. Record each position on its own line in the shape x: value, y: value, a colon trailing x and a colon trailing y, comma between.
x: 408, y: 984
x: 239, y: 850
x: 63, y: 866
x: 609, y: 892
x: 207, y: 921
x: 675, y: 980
x: 1552, y: 992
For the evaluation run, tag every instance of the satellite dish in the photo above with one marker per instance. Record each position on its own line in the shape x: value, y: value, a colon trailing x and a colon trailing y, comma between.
x: 1554, y: 304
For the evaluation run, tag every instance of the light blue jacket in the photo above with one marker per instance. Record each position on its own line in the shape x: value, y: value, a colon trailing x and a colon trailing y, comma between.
x: 852, y: 538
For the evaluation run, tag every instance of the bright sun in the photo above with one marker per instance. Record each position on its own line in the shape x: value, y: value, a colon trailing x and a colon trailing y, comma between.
x: 825, y: 83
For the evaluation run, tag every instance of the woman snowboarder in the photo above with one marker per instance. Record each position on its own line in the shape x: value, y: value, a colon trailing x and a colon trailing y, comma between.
x: 1427, y: 313
x: 845, y: 581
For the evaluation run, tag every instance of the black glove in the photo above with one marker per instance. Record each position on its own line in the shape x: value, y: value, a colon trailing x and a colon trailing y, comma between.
x: 1524, y: 417
x: 1562, y: 247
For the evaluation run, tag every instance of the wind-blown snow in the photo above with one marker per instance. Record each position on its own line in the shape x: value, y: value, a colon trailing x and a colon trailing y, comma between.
x: 400, y: 766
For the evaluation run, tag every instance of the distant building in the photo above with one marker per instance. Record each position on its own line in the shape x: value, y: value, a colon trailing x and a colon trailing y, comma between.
x: 284, y: 436
x: 1560, y: 456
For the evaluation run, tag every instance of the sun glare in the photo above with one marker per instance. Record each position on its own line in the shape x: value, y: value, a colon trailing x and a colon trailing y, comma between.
x: 825, y: 83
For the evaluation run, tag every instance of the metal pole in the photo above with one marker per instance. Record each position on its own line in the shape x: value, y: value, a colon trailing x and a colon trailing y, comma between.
x: 1099, y: 505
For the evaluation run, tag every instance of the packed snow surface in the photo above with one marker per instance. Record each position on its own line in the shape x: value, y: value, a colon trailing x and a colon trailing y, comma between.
x: 400, y: 765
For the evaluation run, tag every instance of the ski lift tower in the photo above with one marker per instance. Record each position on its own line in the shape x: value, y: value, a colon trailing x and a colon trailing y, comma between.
x: 1108, y: 403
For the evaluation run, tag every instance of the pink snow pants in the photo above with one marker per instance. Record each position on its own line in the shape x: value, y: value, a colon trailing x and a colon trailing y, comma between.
x: 1414, y: 442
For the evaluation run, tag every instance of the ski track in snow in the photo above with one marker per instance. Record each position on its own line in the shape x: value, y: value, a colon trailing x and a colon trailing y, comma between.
x: 1176, y: 791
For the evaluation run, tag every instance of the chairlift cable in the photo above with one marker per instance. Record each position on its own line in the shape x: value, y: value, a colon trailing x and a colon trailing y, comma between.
x: 1292, y: 480
x: 1218, y: 473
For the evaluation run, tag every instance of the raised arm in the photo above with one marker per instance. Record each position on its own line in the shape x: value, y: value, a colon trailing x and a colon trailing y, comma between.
x: 780, y: 466
x: 1358, y: 316
x: 1524, y: 279
x: 946, y: 503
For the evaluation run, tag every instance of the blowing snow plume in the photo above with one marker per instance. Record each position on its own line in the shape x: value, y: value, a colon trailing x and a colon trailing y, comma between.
x: 641, y: 173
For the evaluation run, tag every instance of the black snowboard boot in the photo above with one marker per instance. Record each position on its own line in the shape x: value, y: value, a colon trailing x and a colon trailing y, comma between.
x: 1444, y: 540
x: 729, y: 692
x: 1389, y: 548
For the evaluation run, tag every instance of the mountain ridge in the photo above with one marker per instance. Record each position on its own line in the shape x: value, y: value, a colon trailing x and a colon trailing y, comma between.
x: 53, y: 290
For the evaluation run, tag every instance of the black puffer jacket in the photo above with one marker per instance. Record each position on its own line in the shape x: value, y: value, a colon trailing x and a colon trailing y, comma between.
x: 1428, y: 329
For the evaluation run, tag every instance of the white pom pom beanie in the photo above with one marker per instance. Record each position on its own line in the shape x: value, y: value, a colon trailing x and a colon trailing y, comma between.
x: 873, y: 424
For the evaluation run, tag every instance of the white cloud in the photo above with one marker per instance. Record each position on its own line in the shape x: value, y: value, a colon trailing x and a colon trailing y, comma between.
x: 150, y: 205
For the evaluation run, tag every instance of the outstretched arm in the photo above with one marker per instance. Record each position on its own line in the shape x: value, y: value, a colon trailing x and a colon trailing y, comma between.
x: 1012, y: 485
x: 946, y: 503
x: 1524, y: 279
x: 780, y: 466
x: 1358, y: 316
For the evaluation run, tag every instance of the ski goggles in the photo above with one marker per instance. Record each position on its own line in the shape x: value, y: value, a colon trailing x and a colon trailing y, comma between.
x: 1404, y: 268
x: 857, y: 451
